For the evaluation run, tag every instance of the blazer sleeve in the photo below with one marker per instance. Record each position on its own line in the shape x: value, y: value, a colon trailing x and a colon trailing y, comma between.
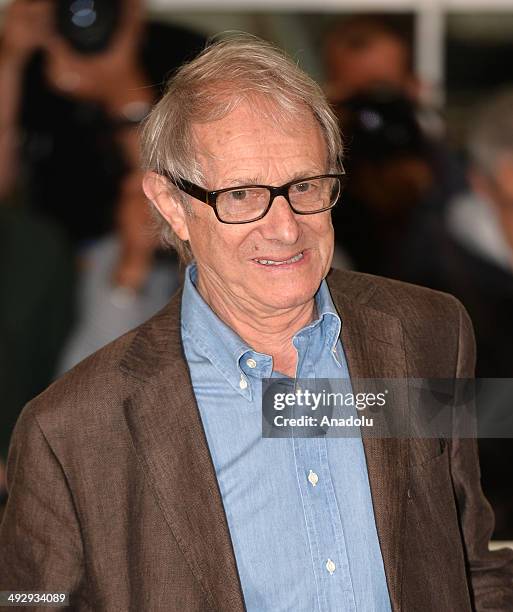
x: 490, y: 573
x: 40, y: 541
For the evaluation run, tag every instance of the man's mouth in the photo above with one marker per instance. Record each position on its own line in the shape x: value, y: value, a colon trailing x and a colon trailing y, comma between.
x: 276, y: 262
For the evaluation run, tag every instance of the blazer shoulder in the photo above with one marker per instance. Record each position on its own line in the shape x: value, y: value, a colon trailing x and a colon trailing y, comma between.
x: 437, y: 330
x: 82, y: 392
x: 108, y: 375
x: 395, y: 297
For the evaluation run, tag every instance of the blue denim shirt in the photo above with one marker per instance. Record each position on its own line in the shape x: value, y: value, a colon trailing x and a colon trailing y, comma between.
x: 299, y: 510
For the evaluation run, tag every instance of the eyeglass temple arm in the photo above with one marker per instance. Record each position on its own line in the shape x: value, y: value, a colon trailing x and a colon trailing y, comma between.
x: 193, y: 190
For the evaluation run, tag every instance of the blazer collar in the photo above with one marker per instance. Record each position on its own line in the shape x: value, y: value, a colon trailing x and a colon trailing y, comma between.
x: 165, y: 425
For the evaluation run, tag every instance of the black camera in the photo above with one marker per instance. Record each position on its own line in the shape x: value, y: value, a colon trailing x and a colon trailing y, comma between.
x: 88, y: 25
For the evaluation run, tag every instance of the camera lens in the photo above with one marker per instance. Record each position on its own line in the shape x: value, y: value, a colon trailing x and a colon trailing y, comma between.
x: 88, y: 25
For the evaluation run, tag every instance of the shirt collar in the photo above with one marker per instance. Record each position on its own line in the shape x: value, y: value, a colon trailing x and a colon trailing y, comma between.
x: 228, y: 353
x: 327, y: 318
x: 212, y: 338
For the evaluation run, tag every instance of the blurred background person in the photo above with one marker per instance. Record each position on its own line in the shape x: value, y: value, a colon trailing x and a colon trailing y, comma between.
x: 472, y: 250
x: 369, y: 50
x: 471, y: 256
x: 390, y: 180
x: 76, y: 78
x: 425, y: 220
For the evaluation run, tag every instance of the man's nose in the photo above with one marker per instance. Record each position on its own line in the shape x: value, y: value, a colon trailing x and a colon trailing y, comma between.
x: 281, y: 223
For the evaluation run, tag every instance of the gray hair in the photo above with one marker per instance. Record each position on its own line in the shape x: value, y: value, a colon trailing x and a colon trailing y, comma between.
x: 231, y: 69
x: 491, y: 135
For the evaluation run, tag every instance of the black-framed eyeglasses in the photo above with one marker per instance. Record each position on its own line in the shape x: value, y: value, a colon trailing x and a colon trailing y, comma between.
x: 248, y: 203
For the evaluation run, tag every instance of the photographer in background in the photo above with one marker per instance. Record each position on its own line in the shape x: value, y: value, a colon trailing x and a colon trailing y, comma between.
x: 368, y: 50
x: 391, y: 181
x: 72, y: 92
x: 75, y: 81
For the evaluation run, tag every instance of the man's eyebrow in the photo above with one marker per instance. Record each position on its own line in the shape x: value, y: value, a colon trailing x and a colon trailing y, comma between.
x: 306, y: 174
x: 243, y: 180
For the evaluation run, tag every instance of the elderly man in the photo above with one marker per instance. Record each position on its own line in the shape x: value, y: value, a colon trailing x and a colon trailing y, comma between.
x: 141, y: 480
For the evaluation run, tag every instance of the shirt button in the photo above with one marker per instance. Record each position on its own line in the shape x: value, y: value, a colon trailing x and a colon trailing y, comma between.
x: 330, y: 566
x: 243, y: 384
x: 251, y: 363
x: 313, y: 479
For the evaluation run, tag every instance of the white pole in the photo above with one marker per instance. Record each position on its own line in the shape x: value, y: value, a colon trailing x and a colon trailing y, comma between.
x: 430, y: 50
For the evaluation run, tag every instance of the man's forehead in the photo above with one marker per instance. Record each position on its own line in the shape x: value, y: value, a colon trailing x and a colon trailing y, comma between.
x: 246, y: 127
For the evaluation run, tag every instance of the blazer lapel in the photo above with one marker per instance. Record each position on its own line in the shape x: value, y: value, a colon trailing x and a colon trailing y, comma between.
x: 167, y: 432
x: 374, y: 348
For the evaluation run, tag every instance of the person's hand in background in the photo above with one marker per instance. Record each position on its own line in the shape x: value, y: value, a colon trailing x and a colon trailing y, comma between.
x: 27, y: 26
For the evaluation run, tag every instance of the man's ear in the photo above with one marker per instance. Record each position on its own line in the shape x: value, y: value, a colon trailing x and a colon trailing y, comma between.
x: 157, y: 191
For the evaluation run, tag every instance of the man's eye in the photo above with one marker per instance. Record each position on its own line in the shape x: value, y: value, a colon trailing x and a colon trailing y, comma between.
x: 303, y: 187
x: 239, y: 194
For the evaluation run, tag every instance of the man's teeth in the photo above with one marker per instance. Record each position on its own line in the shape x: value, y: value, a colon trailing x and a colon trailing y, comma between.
x: 270, y: 262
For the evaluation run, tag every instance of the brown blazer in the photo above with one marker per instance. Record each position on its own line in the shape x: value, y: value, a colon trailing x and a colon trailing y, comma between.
x: 114, y: 498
